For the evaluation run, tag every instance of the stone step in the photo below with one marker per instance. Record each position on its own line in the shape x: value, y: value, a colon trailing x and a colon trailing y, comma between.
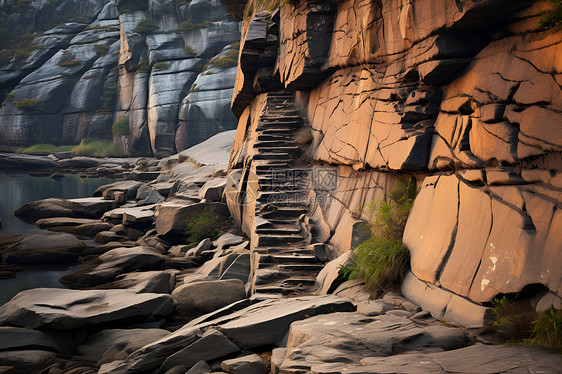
x: 273, y: 156
x: 278, y: 196
x: 302, y: 267
x: 295, y: 259
x: 274, y: 143
x: 279, y: 187
x: 285, y: 212
x: 271, y: 167
x: 292, y: 150
x: 271, y: 111
x: 267, y: 240
x: 267, y: 289
x: 269, y: 250
x: 288, y: 138
x: 299, y: 281
x: 276, y: 230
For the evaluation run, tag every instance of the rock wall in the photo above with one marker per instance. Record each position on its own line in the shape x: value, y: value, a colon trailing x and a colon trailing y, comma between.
x: 463, y: 95
x: 173, y: 83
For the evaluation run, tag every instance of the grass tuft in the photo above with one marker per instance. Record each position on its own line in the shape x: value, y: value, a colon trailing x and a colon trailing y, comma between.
x: 382, y: 260
x: 203, y: 223
x: 146, y: 27
x: 26, y: 104
x: 45, y: 148
x: 552, y: 17
x: 547, y: 330
x: 98, y: 148
x: 121, y: 127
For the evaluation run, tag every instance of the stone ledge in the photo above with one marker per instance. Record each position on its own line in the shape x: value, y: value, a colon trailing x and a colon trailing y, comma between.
x: 444, y: 305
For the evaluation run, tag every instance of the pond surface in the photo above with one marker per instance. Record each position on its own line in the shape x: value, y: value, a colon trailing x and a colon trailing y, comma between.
x: 17, y: 189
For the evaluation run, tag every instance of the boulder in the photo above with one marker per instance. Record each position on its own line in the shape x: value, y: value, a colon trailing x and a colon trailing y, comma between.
x: 63, y: 309
x: 74, y: 208
x: 346, y: 338
x: 113, y: 263
x: 27, y: 361
x: 227, y: 240
x: 212, y: 345
x: 143, y: 282
x: 45, y: 249
x: 170, y: 217
x: 204, y: 245
x: 77, y: 226
x: 199, y: 298
x: 267, y: 322
x: 212, y: 190
x: 109, y: 345
x: 251, y: 364
x: 16, y: 338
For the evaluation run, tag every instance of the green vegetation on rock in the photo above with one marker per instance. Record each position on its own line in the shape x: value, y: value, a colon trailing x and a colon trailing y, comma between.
x: 121, y: 127
x: 45, y: 149
x: 519, y: 323
x: 203, y: 223
x: 26, y: 104
x: 189, y: 50
x: 187, y: 25
x: 162, y: 65
x: 552, y: 17
x: 98, y: 148
x: 382, y: 260
x: 146, y: 27
x: 227, y: 61
x: 101, y: 50
x: 108, y: 97
x: 14, y: 45
x: 69, y: 63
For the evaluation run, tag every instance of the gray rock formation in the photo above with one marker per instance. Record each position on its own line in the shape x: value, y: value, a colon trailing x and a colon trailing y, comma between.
x: 74, y: 79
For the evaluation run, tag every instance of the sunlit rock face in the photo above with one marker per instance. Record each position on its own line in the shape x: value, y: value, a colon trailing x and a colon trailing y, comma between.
x: 91, y: 65
x: 465, y: 96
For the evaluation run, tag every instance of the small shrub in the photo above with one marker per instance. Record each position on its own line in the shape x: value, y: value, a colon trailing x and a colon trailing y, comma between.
x: 227, y: 61
x: 146, y: 27
x: 26, y: 104
x: 382, y: 260
x: 15, y: 46
x: 10, y: 96
x: 189, y: 50
x: 547, y: 330
x: 108, y: 97
x: 513, y: 318
x: 101, y: 50
x: 203, y: 223
x: 69, y: 63
x: 162, y: 65
x: 143, y: 66
x: 187, y: 26
x: 98, y: 148
x: 53, y: 3
x: 121, y: 127
x: 20, y: 5
x: 181, y: 2
x: 552, y: 17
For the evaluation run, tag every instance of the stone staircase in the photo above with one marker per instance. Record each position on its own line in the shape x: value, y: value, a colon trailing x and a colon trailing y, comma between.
x: 283, y: 263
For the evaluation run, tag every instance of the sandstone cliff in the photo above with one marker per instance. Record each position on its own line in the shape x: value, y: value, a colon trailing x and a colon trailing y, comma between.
x: 80, y: 66
x: 464, y: 95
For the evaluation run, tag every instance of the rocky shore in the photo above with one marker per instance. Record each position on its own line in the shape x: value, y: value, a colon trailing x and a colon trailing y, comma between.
x: 144, y: 301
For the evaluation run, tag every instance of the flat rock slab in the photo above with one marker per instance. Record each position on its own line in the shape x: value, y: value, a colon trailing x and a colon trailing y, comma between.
x: 78, y: 226
x: 15, y: 338
x: 251, y: 364
x: 108, y: 345
x: 64, y: 309
x: 131, y: 214
x: 91, y: 207
x: 107, y: 267
x: 477, y: 358
x: 195, y: 299
x: 44, y: 249
x: 261, y: 324
x: 349, y: 337
x: 28, y: 361
x: 267, y: 322
x: 170, y: 217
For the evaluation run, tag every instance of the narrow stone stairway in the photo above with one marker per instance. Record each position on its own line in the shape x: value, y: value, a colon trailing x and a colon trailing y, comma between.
x: 284, y: 264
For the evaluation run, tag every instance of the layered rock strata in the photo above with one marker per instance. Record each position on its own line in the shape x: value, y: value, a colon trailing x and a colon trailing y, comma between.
x: 165, y: 68
x: 464, y: 96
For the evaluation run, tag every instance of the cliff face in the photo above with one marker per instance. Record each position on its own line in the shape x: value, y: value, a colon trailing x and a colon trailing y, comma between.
x: 90, y: 64
x: 464, y: 95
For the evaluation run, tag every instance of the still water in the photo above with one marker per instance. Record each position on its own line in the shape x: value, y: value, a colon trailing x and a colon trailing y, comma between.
x: 17, y: 189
